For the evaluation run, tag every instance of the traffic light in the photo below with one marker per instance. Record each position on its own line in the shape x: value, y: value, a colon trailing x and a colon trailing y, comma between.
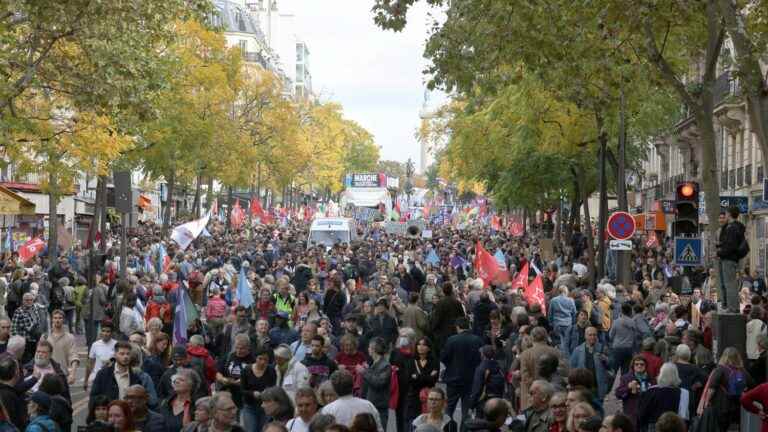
x: 686, y: 210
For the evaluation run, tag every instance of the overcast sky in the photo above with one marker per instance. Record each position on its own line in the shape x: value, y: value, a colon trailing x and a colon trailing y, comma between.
x: 375, y: 74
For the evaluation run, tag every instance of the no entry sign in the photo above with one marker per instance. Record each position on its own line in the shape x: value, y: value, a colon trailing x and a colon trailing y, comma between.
x: 621, y: 226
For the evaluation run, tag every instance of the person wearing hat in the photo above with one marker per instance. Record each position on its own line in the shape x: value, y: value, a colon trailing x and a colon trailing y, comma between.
x: 281, y: 333
x: 38, y: 407
x: 180, y: 360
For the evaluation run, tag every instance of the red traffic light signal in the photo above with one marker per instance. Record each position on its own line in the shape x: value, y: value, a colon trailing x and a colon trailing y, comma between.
x: 687, y: 191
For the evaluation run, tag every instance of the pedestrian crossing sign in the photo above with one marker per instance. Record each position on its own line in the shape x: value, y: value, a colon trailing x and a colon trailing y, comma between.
x: 688, y: 251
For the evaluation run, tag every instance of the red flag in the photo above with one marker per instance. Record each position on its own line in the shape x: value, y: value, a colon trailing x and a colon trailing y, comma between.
x: 309, y: 213
x: 237, y: 216
x: 521, y: 280
x: 425, y: 211
x: 534, y: 293
x: 256, y: 210
x: 495, y: 223
x: 516, y: 228
x: 31, y: 248
x: 485, y: 264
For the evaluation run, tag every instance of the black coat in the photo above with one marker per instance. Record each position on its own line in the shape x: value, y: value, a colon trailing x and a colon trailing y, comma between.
x: 731, y: 236
x: 443, y: 322
x: 383, y: 326
x: 105, y: 383
x: 13, y: 401
x: 461, y: 356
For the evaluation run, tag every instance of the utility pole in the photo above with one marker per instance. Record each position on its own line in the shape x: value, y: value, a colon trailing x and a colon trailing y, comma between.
x: 622, y: 257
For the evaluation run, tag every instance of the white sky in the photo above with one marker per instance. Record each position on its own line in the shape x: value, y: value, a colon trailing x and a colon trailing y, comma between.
x: 375, y: 74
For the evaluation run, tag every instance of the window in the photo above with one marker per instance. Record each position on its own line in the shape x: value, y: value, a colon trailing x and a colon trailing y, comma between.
x: 299, y: 73
x: 760, y: 174
x: 299, y: 52
x: 740, y: 177
x: 243, y: 45
x: 748, y: 175
x: 724, y: 180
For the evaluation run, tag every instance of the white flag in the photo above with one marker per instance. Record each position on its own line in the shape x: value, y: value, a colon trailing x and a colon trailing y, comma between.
x: 184, y: 234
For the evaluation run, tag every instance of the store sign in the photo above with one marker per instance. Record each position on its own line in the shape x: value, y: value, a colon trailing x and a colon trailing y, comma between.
x: 741, y: 202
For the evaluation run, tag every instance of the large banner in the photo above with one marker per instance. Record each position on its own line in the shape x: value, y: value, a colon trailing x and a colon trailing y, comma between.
x: 186, y: 233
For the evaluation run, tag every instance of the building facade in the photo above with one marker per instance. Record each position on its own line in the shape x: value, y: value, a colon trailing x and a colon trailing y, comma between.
x: 676, y: 157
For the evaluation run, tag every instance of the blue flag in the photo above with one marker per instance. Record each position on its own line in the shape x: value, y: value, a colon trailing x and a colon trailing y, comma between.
x: 499, y: 255
x: 432, y: 257
x: 161, y: 254
x: 244, y: 294
x: 8, y: 246
x: 180, y: 321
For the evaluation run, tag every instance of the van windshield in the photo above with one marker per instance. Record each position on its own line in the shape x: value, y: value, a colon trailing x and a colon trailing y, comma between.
x: 328, y: 238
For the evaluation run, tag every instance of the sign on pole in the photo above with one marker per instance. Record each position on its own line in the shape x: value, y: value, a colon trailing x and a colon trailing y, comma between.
x: 621, y: 225
x: 688, y: 251
x: 621, y: 245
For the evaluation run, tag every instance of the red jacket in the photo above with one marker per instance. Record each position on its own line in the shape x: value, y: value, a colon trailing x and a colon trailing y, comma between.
x: 757, y: 394
x: 208, y: 362
x: 159, y: 310
x: 654, y: 363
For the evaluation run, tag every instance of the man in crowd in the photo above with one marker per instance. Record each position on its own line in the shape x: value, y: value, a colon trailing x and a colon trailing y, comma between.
x: 145, y: 419
x: 64, y: 348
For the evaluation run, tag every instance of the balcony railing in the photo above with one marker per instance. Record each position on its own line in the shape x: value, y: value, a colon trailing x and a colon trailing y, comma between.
x: 255, y: 57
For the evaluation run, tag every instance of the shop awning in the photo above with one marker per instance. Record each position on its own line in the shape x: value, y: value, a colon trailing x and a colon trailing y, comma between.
x: 12, y: 203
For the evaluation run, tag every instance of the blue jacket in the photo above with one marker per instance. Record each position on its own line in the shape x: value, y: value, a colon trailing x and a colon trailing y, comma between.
x: 562, y: 311
x: 42, y: 423
x: 579, y: 360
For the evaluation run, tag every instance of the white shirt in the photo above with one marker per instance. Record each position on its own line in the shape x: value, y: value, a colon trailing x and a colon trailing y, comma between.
x: 344, y: 409
x: 296, y: 424
x: 101, y: 352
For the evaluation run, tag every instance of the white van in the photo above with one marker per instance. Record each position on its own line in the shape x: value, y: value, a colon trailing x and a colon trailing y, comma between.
x: 330, y: 231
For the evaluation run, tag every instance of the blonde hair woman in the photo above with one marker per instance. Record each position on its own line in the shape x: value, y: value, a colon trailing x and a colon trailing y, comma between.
x: 724, y: 388
x: 577, y: 414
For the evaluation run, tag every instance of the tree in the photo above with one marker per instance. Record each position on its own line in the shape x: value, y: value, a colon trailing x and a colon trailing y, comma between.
x: 361, y: 151
x: 195, y: 117
x: 96, y: 52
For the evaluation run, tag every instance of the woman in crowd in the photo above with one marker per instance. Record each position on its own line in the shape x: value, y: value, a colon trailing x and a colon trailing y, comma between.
x: 158, y: 359
x: 254, y: 379
x: 301, y: 310
x: 99, y: 410
x: 277, y: 405
x: 352, y: 360
x: 326, y: 394
x: 177, y: 409
x: 666, y: 396
x: 424, y: 371
x: 559, y: 410
x: 578, y: 413
x: 121, y: 416
x: 202, y: 416
x: 632, y: 385
x: 154, y: 328
x: 435, y: 414
x: 724, y: 387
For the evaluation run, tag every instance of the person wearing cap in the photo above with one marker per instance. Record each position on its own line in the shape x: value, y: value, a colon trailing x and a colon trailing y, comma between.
x: 282, y: 333
x: 291, y: 373
x: 180, y: 360
x: 38, y: 407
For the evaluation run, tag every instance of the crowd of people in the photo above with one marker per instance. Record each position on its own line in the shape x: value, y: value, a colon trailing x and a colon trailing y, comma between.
x: 388, y: 333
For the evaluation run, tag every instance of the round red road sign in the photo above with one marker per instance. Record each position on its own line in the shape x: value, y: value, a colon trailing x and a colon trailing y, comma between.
x: 621, y: 225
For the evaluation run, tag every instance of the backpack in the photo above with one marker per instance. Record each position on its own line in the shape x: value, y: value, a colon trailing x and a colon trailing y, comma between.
x: 737, y: 382
x: 394, y: 388
x: 494, y: 384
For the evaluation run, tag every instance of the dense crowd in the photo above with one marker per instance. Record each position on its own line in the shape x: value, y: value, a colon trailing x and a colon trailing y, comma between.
x: 252, y: 330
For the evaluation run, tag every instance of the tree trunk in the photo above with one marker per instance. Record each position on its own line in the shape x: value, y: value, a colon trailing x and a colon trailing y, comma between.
x: 588, y: 230
x: 209, y: 194
x: 169, y: 202
x: 702, y: 105
x: 230, y: 203
x: 258, y: 183
x: 621, y: 175
x: 198, y: 192
x: 53, y: 217
x: 102, y: 190
x: 750, y: 74
x: 97, y: 204
x: 603, y: 212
